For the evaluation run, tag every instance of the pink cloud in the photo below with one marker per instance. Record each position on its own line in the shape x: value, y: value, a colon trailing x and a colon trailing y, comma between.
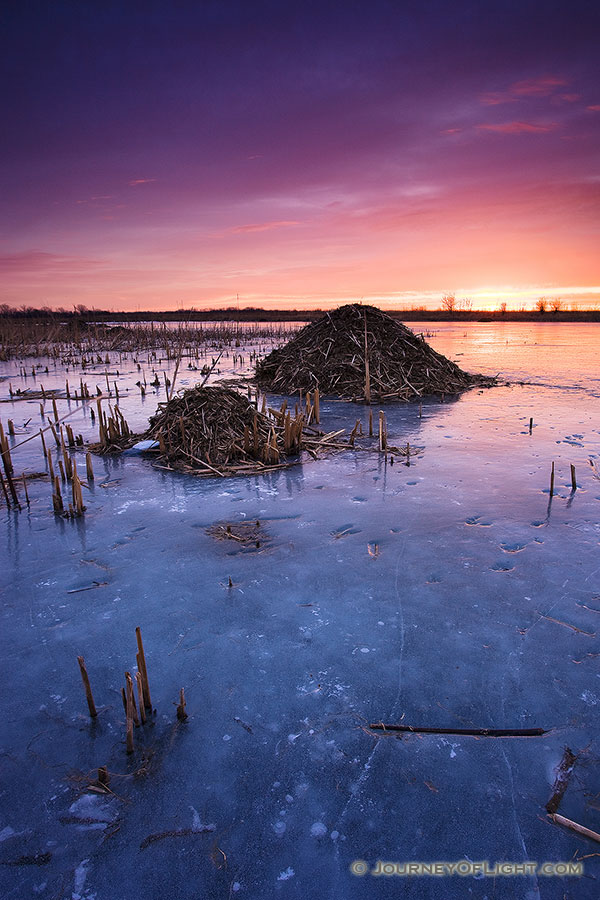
x: 451, y: 131
x: 519, y: 127
x: 137, y: 181
x: 537, y: 87
x: 530, y: 87
x: 495, y: 98
x: 595, y: 107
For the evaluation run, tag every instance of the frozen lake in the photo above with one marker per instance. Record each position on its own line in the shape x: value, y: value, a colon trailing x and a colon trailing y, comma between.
x: 451, y: 593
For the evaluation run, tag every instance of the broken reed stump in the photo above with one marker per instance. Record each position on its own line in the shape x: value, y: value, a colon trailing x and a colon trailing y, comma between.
x: 88, y: 689
x: 573, y: 478
x: 141, y: 662
x: 552, y: 480
x: 25, y: 489
x: 140, y: 696
x: 57, y: 500
x: 181, y: 713
x: 4, y: 491
x: 129, y: 683
x: 129, y: 719
x: 76, y: 491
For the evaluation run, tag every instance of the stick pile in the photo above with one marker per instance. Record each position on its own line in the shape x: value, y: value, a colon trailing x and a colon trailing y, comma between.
x: 359, y: 353
x: 214, y: 428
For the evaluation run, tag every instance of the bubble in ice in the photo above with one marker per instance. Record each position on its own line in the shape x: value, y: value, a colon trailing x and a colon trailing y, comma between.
x: 318, y: 829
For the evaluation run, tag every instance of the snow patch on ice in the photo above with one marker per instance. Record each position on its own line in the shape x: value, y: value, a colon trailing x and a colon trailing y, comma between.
x: 590, y: 698
x: 92, y: 809
x: 79, y: 879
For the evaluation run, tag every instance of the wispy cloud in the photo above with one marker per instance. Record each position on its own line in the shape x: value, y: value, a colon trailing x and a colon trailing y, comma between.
x: 137, y: 181
x: 40, y: 261
x: 261, y: 226
x: 519, y: 127
x: 96, y: 199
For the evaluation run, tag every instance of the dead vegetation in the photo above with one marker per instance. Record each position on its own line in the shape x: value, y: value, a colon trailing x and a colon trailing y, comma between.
x: 245, y: 536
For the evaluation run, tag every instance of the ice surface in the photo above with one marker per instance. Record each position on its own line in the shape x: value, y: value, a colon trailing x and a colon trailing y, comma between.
x: 479, y: 608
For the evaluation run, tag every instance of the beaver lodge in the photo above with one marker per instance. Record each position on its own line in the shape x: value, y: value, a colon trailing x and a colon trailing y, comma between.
x: 359, y: 353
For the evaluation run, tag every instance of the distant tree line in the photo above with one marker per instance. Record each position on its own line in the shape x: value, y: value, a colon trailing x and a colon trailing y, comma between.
x: 451, y: 308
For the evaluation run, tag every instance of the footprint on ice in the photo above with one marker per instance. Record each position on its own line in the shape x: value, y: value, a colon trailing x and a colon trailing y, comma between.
x: 343, y: 530
x: 513, y: 548
x: 502, y: 567
x: 476, y: 520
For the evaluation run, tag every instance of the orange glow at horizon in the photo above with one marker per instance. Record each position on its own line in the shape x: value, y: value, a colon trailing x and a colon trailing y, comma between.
x: 328, y: 158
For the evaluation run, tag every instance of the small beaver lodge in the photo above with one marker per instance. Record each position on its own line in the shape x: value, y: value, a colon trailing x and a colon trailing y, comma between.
x: 215, y: 430
x: 359, y: 353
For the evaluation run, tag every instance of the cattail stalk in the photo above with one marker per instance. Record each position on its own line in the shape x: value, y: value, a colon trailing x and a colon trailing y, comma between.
x: 88, y: 689
x: 143, y: 669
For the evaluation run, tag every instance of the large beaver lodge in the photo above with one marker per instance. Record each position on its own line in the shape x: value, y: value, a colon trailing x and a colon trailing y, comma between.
x: 359, y: 353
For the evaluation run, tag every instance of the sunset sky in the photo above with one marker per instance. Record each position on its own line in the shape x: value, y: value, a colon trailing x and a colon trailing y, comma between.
x: 165, y: 155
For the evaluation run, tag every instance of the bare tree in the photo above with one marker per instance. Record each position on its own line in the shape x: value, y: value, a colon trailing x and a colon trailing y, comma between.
x: 449, y: 302
x: 556, y: 304
x: 541, y: 305
x: 503, y: 307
